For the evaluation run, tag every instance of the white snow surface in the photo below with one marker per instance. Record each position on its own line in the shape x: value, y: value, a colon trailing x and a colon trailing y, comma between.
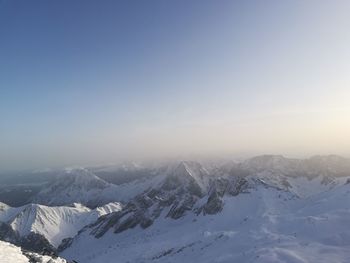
x: 54, y: 223
x: 12, y: 254
x: 266, y: 225
x: 296, y: 212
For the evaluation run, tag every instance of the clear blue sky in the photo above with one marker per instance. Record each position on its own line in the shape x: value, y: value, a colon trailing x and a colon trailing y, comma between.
x: 97, y: 81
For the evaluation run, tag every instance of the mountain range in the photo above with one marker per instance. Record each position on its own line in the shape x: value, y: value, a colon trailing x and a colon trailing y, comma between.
x: 264, y: 209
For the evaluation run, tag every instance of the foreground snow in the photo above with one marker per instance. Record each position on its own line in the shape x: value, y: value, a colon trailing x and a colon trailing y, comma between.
x: 11, y: 254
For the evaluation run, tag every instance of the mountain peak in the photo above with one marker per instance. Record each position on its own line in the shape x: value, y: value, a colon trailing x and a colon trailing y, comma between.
x: 52, y: 224
x: 82, y: 176
x: 185, y: 174
x: 270, y: 162
x: 77, y: 185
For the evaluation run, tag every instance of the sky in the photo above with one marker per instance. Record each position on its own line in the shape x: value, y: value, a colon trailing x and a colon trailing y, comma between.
x: 94, y: 82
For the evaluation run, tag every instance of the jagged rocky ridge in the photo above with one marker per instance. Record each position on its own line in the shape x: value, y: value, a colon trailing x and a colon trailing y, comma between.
x: 83, y: 186
x: 181, y: 191
x: 188, y: 187
x: 238, y: 212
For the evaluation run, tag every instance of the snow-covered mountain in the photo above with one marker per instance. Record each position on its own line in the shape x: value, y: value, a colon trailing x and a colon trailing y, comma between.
x: 304, y: 177
x: 10, y: 253
x: 82, y: 186
x: 255, y: 211
x: 264, y: 225
x: 265, y: 209
x: 180, y: 189
x: 39, y: 227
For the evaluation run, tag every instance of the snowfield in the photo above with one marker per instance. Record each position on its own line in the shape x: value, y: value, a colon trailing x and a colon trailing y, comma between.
x: 266, y: 225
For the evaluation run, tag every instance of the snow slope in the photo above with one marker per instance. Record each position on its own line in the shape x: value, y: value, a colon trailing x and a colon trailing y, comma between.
x: 280, y: 210
x: 53, y: 223
x: 266, y: 225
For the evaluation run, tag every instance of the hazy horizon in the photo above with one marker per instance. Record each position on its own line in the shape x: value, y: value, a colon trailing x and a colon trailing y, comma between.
x: 160, y: 162
x: 85, y: 82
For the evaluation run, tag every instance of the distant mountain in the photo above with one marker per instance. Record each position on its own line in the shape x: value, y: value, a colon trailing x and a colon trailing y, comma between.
x: 304, y: 177
x: 330, y: 165
x: 123, y: 173
x: 82, y: 186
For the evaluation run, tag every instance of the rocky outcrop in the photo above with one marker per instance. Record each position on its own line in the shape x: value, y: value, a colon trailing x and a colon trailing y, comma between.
x: 181, y: 188
x: 32, y: 242
x: 189, y: 188
x: 179, y: 193
x: 219, y: 187
x: 37, y: 243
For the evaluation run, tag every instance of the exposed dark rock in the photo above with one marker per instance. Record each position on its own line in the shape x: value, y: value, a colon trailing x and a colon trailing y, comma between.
x: 7, y: 233
x: 237, y: 185
x: 130, y: 222
x: 214, y: 204
x: 104, y: 223
x: 178, y: 194
x: 65, y: 244
x: 180, y: 206
x: 37, y: 243
x: 219, y: 187
x: 33, y: 242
